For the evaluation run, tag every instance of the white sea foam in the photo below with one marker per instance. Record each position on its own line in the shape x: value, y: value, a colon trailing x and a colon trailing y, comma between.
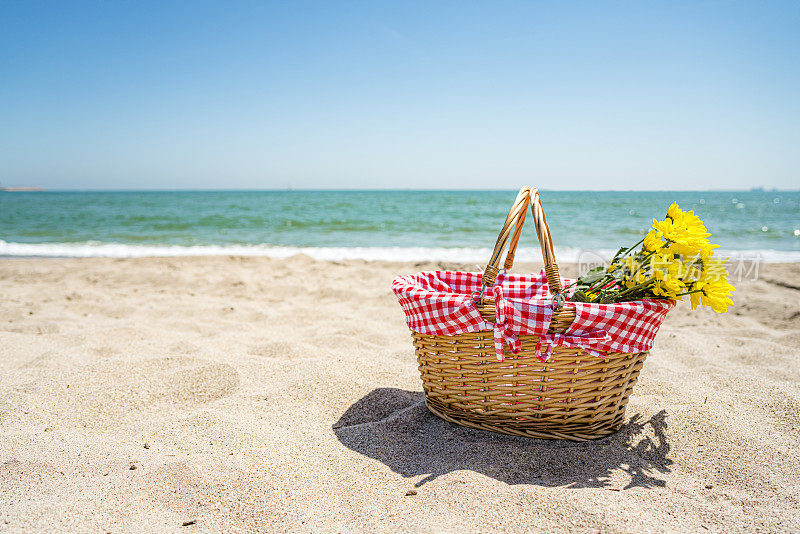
x: 92, y: 249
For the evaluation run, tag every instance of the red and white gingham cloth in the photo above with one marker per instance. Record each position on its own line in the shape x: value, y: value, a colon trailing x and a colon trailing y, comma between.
x: 442, y: 303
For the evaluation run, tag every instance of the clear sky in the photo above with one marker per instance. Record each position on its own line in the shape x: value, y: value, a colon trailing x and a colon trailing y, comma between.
x: 560, y: 95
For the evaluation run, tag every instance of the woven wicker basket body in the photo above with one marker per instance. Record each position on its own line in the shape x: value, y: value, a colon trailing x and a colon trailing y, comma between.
x: 574, y: 395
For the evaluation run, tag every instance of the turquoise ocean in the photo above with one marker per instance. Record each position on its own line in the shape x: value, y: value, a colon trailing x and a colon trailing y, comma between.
x: 391, y: 225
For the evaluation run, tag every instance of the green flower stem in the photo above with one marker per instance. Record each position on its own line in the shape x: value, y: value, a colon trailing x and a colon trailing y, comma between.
x: 600, y: 283
x: 689, y: 292
x: 643, y: 285
x: 632, y: 247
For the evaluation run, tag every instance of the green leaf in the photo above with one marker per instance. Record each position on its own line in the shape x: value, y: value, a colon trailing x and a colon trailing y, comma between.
x: 592, y: 276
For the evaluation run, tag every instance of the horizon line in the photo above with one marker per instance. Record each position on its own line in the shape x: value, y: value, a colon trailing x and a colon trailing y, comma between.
x: 378, y: 189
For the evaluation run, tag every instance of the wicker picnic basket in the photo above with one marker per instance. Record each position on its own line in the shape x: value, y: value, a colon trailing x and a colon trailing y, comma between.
x: 573, y: 396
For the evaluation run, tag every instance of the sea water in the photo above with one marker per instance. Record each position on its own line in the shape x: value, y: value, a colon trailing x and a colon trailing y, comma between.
x: 391, y: 225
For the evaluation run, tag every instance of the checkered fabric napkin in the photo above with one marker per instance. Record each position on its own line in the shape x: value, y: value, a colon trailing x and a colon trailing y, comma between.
x: 439, y: 302
x: 631, y: 326
x: 442, y: 303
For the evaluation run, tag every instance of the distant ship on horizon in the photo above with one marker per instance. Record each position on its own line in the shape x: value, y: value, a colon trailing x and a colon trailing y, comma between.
x: 21, y: 188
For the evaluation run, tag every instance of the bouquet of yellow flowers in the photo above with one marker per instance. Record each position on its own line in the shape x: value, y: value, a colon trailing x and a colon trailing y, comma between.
x: 675, y: 259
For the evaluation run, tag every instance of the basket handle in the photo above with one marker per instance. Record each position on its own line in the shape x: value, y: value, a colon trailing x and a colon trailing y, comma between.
x: 515, y: 220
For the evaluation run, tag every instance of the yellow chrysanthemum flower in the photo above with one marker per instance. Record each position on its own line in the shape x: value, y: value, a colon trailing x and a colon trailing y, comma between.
x: 670, y: 288
x: 668, y: 272
x: 716, y: 294
x: 687, y: 219
x: 708, y: 249
x: 653, y: 242
x: 685, y: 232
x: 714, y: 269
x: 633, y: 272
x: 693, y: 270
x: 694, y: 298
x: 682, y: 239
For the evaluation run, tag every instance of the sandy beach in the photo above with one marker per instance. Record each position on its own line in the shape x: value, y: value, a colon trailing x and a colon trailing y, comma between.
x: 229, y: 394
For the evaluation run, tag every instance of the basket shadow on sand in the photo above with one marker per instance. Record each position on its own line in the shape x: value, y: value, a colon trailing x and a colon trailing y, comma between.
x: 394, y: 426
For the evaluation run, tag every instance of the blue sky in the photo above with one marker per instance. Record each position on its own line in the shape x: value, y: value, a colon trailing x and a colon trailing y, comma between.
x: 571, y: 95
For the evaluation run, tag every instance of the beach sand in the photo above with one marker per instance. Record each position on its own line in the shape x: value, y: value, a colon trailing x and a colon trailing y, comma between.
x: 249, y: 394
